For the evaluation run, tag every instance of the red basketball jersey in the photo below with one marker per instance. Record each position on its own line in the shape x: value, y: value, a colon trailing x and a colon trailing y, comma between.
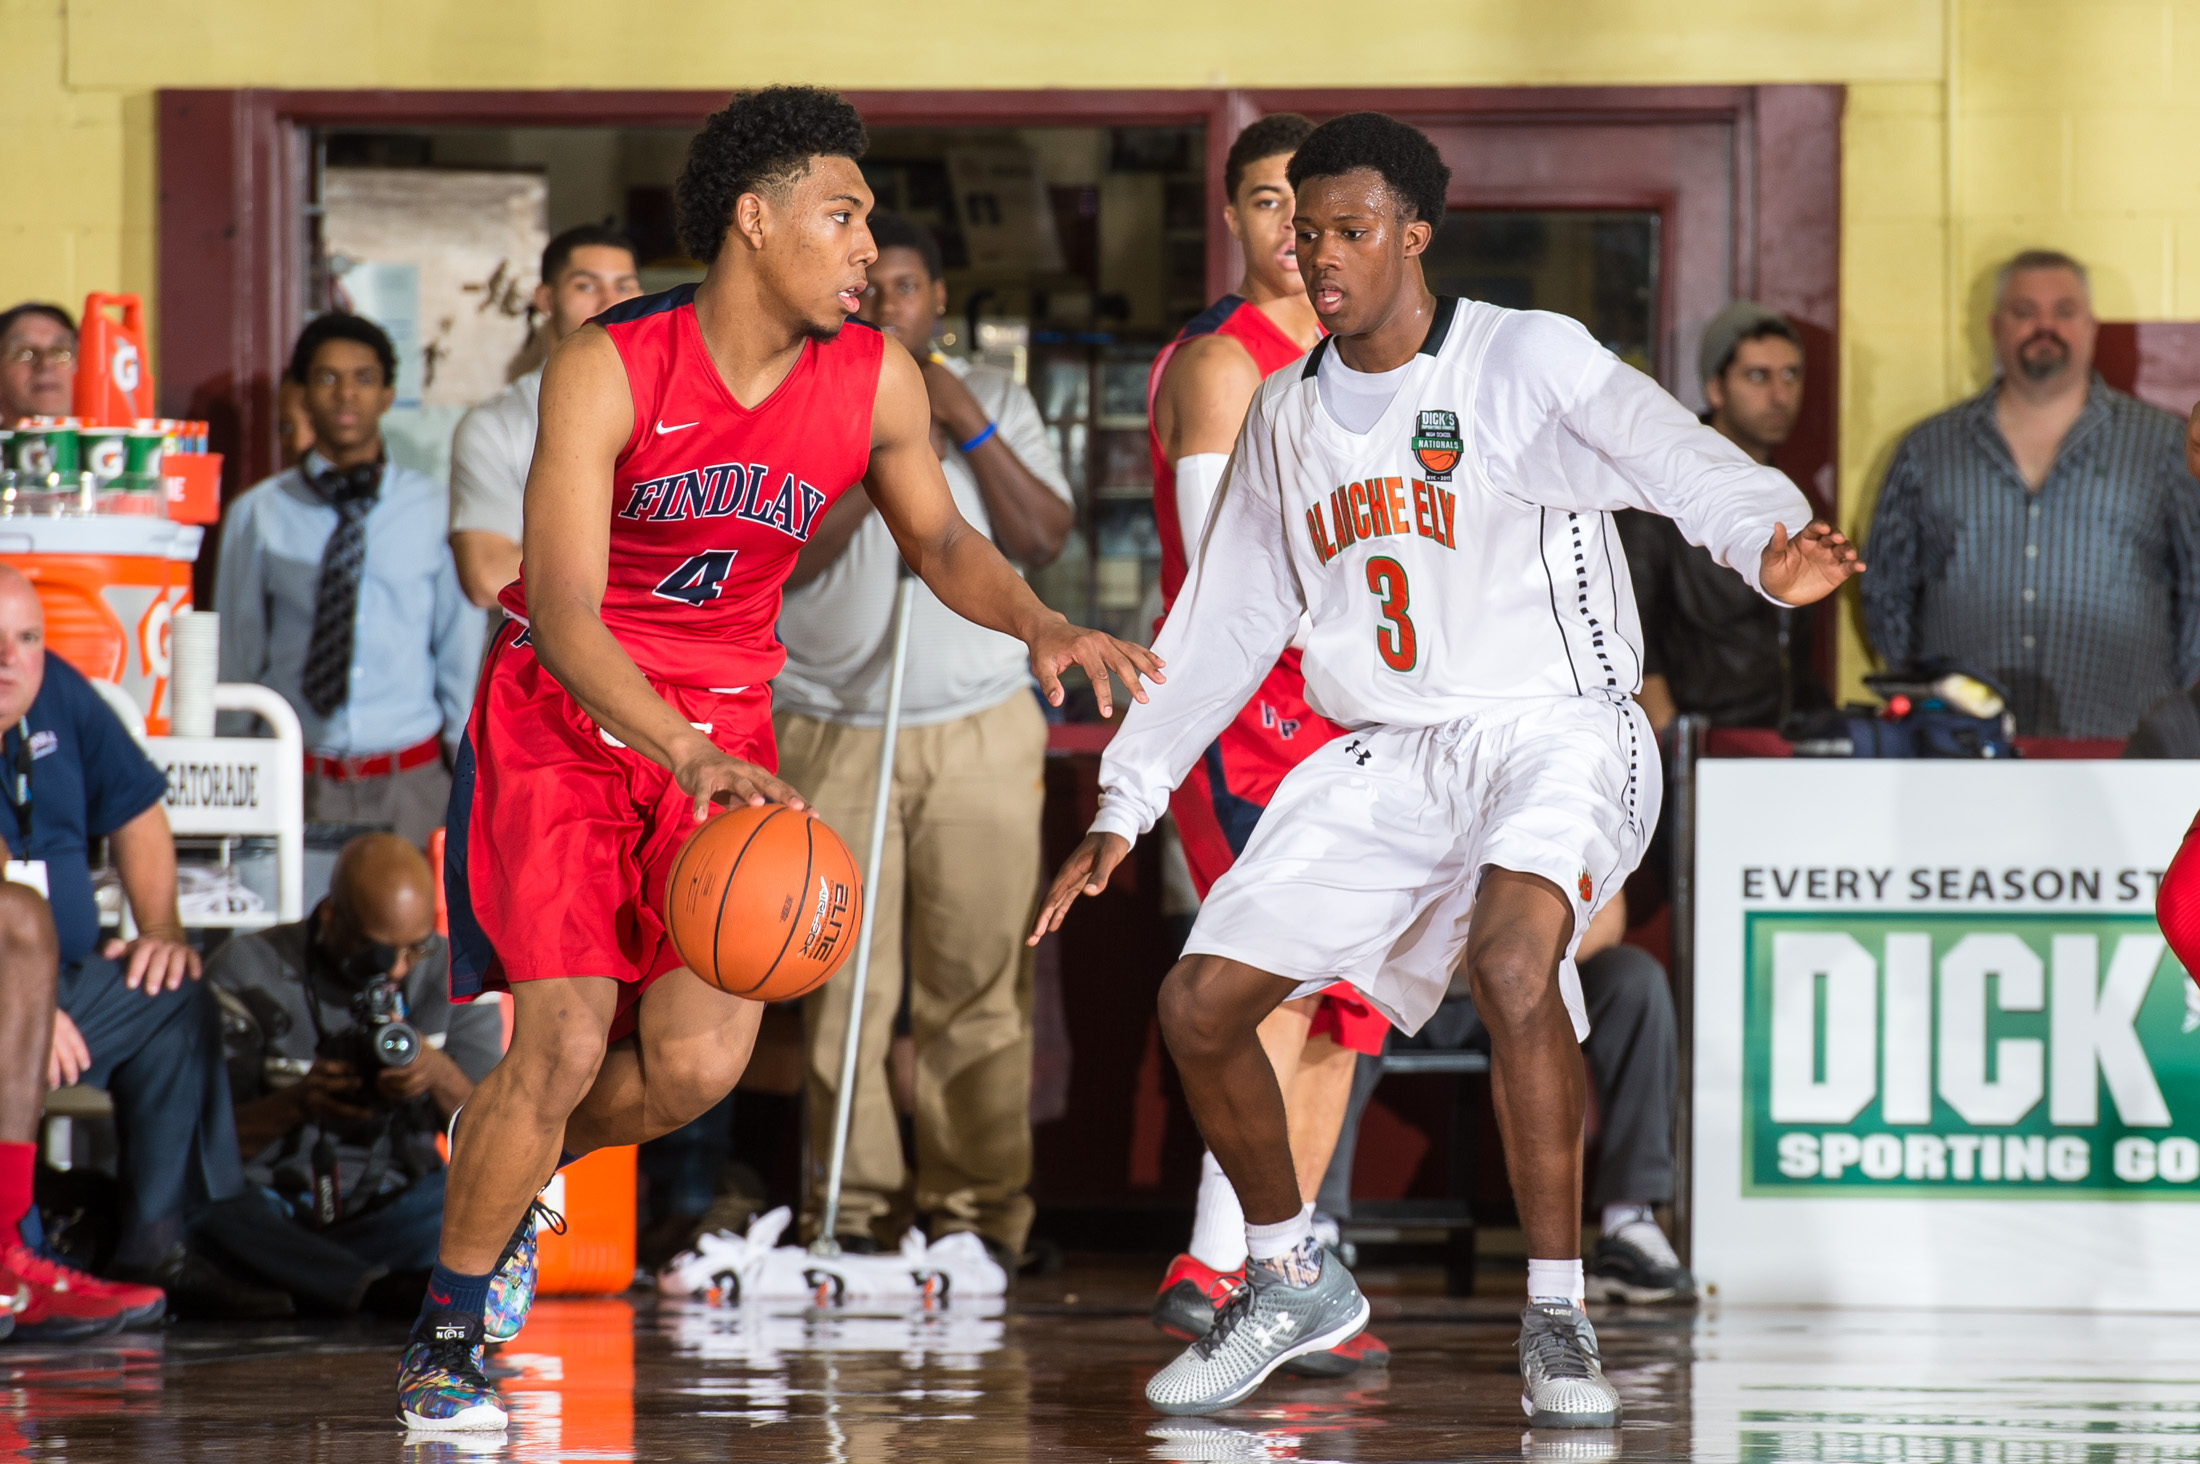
x: 1247, y: 324
x: 711, y: 501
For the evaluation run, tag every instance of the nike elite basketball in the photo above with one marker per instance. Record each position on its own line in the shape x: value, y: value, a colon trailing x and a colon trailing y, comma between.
x: 764, y: 902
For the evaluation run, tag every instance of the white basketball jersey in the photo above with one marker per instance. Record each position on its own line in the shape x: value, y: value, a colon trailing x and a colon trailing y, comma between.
x: 1459, y: 554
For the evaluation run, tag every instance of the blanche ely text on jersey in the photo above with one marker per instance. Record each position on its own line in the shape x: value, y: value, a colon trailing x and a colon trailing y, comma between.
x: 1460, y: 554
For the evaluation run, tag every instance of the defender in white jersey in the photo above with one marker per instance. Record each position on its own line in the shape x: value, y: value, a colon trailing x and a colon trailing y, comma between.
x: 1432, y: 488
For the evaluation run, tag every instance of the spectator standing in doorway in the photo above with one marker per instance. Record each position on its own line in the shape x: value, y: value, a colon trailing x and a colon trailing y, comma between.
x: 962, y: 832
x: 585, y: 271
x: 337, y: 590
x: 1713, y: 646
x: 2044, y: 532
x: 37, y: 362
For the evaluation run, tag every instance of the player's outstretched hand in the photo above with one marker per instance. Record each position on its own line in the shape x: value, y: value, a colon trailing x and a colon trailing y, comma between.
x: 1810, y: 566
x: 1085, y: 872
x: 1060, y: 645
x: 710, y: 776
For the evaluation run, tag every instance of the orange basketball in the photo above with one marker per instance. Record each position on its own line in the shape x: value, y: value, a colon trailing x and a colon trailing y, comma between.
x: 764, y: 902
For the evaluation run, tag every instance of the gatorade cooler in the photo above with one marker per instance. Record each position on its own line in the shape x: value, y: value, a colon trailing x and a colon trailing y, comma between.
x: 595, y: 1256
x: 110, y: 585
x: 114, y: 381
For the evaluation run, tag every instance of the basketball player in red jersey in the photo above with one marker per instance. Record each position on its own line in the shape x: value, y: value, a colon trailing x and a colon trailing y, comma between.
x: 689, y: 443
x: 1198, y: 392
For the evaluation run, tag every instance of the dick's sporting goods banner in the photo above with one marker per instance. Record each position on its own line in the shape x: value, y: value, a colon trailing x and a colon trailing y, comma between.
x: 1943, y: 1056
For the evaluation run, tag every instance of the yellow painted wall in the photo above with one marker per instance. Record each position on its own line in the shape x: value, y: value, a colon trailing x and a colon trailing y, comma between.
x: 1975, y: 127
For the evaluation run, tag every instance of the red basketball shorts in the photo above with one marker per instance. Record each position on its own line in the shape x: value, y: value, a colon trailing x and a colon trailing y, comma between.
x: 1221, y: 800
x: 559, y: 839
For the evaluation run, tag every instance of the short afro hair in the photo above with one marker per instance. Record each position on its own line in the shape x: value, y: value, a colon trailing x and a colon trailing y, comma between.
x: 1410, y: 166
x: 558, y: 253
x: 893, y: 231
x: 1280, y: 133
x: 338, y: 326
x: 760, y: 140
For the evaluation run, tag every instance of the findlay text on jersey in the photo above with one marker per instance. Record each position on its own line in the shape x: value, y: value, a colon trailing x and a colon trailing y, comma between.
x: 727, y: 490
x: 1378, y: 508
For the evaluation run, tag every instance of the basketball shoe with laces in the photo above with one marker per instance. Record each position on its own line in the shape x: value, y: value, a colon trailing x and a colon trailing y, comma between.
x: 512, y: 1284
x: 1561, y: 1376
x: 440, y: 1384
x: 60, y: 1303
x: 1265, y: 1323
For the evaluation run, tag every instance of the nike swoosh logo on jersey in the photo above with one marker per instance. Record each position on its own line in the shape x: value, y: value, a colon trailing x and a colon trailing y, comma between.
x: 662, y: 429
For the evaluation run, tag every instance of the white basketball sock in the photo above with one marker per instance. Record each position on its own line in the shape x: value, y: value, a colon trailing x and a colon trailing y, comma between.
x: 1266, y: 1242
x: 1556, y: 1281
x: 1218, y: 1224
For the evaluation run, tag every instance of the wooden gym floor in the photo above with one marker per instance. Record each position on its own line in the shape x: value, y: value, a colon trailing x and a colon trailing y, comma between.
x: 1057, y: 1377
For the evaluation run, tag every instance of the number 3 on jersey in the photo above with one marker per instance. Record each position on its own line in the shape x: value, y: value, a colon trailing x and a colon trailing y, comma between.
x: 1394, y: 642
x: 696, y: 582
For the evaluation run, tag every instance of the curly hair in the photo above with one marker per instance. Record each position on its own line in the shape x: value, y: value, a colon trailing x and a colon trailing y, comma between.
x: 761, y: 140
x: 1410, y: 166
x: 1279, y: 132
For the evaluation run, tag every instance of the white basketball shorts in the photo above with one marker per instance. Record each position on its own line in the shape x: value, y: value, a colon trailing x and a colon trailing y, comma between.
x: 1363, y: 866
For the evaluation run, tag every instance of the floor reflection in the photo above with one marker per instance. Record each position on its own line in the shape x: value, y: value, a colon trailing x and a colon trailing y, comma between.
x: 1057, y: 1373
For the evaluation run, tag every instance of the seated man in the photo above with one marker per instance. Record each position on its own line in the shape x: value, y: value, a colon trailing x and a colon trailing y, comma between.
x: 343, y: 1138
x: 1633, y: 1056
x: 123, y: 1018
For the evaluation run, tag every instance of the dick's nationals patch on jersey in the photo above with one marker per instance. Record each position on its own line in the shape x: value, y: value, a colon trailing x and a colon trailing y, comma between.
x: 1437, y: 445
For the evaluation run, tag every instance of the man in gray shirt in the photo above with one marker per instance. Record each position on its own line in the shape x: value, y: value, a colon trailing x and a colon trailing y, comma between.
x: 344, y: 1140
x: 2044, y: 532
x: 962, y: 833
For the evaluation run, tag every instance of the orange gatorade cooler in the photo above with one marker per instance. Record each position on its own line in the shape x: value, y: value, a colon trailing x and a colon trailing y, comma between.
x: 110, y: 585
x: 595, y: 1256
x: 114, y: 380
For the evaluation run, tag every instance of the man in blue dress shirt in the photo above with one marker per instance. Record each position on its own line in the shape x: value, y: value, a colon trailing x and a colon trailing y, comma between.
x: 336, y: 588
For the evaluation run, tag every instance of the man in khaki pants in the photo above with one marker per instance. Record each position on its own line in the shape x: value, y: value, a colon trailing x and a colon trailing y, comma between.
x: 960, y: 874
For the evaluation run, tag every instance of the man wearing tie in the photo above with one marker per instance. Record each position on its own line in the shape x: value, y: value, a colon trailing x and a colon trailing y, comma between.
x: 336, y: 588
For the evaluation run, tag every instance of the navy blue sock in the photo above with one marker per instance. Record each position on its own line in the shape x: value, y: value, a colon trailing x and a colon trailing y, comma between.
x: 449, y: 1291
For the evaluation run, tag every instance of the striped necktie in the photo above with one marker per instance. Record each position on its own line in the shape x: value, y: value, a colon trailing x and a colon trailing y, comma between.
x: 352, y: 491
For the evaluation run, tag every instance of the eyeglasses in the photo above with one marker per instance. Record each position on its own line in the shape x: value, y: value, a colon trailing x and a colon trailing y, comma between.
x: 32, y: 356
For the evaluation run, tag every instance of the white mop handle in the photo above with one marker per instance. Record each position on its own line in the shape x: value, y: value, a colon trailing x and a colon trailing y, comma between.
x: 844, y: 1100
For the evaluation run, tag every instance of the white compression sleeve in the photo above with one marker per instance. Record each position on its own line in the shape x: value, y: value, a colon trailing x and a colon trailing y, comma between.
x: 1197, y: 477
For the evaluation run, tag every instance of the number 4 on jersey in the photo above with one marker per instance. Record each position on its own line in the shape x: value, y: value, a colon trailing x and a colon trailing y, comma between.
x: 696, y: 582
x: 1394, y: 642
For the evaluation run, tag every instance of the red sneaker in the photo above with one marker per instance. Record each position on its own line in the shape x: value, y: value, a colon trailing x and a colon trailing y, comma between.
x: 59, y: 1309
x: 1190, y: 1295
x: 141, y: 1305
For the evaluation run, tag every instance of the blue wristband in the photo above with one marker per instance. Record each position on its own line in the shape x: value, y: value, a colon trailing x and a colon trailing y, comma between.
x: 980, y: 440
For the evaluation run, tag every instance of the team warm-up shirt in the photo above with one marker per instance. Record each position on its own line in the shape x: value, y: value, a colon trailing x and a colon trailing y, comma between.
x: 710, y: 500
x: 1458, y: 556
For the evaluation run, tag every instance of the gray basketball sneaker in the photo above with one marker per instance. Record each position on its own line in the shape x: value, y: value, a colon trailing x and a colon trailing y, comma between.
x: 1561, y: 1378
x: 1264, y: 1325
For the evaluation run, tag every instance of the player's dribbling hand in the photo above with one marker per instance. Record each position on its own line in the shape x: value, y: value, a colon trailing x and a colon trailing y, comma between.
x: 1061, y: 645
x: 1810, y: 566
x: 1085, y: 872
x: 710, y: 776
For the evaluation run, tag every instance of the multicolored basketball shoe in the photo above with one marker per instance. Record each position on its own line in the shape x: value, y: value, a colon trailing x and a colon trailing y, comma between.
x: 512, y: 1284
x: 440, y: 1385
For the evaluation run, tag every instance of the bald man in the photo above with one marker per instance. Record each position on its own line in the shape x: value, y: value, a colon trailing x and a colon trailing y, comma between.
x: 377, y: 1189
x: 129, y: 1017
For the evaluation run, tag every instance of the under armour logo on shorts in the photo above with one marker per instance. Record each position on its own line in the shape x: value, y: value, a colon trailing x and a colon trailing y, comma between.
x: 1359, y: 753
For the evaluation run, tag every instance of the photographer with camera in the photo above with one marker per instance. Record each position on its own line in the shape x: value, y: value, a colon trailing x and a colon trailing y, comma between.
x: 347, y: 1059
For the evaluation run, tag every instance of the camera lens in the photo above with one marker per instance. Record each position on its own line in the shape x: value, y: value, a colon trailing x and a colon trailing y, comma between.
x: 396, y: 1044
